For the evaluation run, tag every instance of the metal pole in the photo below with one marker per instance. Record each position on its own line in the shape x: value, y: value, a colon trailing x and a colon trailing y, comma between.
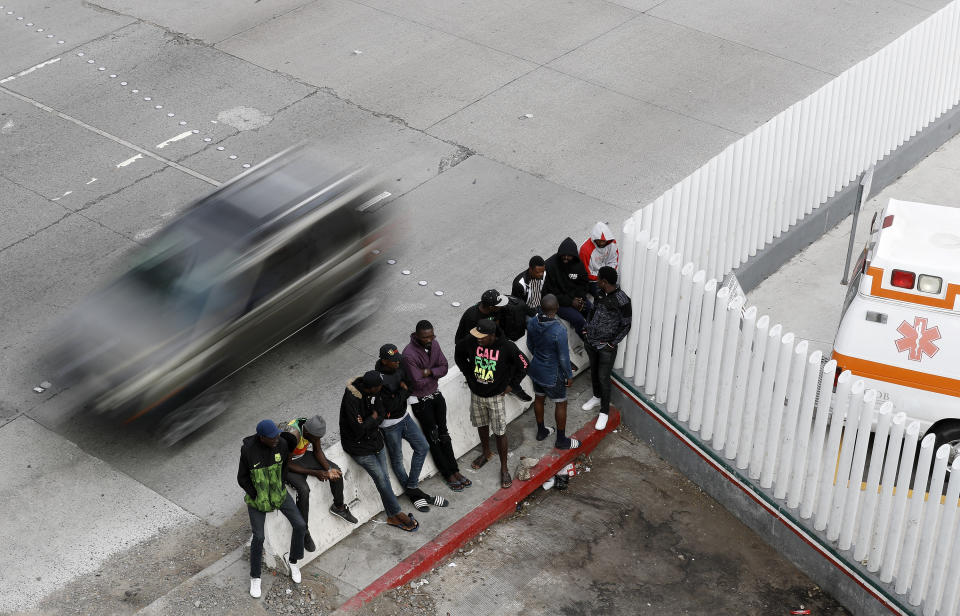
x: 863, y: 193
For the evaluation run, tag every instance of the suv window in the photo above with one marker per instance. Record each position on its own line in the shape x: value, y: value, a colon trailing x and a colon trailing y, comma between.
x: 281, y: 268
x: 332, y: 233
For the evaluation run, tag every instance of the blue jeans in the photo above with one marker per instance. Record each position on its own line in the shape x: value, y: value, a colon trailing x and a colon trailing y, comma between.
x: 376, y: 466
x: 406, y: 430
x: 257, y: 519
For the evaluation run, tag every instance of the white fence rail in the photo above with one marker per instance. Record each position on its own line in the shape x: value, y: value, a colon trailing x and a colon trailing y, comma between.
x: 750, y: 390
x: 758, y: 398
x: 750, y: 193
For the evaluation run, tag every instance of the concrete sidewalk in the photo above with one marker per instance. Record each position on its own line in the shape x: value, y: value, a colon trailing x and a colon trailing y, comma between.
x: 629, y: 536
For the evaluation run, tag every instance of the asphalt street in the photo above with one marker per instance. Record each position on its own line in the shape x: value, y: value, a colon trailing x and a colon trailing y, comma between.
x: 501, y: 128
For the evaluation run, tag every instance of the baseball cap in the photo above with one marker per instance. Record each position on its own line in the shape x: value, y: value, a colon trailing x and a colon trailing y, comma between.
x: 372, y: 378
x: 485, y: 327
x: 389, y: 352
x: 267, y: 428
x: 492, y: 297
x: 315, y: 426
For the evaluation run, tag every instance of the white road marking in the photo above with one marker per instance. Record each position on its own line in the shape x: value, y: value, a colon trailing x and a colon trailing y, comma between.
x: 6, y: 127
x: 29, y: 70
x: 69, y: 192
x: 164, y: 144
x: 92, y: 180
x: 107, y: 135
x: 129, y: 161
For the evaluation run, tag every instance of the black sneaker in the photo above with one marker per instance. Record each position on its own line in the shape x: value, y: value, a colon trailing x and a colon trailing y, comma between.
x: 308, y: 543
x: 343, y: 513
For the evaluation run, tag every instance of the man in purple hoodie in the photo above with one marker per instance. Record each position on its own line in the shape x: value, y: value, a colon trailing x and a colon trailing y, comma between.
x: 426, y: 365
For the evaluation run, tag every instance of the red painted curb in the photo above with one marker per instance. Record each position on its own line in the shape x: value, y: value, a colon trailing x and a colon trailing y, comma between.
x: 489, y: 511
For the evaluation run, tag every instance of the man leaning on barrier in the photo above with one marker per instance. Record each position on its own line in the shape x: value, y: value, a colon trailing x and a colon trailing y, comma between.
x: 608, y: 324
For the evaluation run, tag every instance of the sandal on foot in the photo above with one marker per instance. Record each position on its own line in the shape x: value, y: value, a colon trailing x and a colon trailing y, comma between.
x: 480, y: 461
x: 455, y: 485
x: 543, y: 434
x: 437, y: 501
x: 466, y: 483
x: 571, y: 443
x: 505, y: 480
x: 420, y: 500
x: 406, y: 527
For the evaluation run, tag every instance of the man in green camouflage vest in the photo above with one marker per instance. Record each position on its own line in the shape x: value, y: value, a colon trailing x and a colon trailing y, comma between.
x: 263, y: 471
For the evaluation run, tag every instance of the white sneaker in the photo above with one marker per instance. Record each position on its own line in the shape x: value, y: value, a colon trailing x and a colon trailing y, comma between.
x: 601, y: 421
x: 294, y: 572
x: 591, y: 404
x: 255, y: 588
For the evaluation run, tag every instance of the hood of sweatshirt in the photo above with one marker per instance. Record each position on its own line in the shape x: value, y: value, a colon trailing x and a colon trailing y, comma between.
x: 541, y: 326
x: 352, y: 388
x: 568, y: 248
x: 601, y: 232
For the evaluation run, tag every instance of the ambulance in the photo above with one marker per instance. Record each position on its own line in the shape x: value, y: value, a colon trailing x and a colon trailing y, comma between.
x: 900, y: 329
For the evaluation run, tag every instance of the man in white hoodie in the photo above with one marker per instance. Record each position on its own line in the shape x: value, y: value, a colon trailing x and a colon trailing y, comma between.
x: 600, y: 250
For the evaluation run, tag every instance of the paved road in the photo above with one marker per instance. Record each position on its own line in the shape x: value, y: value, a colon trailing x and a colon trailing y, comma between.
x: 503, y: 126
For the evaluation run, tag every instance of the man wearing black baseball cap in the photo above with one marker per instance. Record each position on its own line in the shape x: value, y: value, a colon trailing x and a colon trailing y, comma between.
x: 492, y: 367
x: 491, y: 307
x: 263, y: 471
x: 399, y: 426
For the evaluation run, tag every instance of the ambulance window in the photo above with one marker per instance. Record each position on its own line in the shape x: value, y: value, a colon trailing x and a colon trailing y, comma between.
x: 854, y: 284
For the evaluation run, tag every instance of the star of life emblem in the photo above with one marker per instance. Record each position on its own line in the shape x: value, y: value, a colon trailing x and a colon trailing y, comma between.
x: 918, y: 339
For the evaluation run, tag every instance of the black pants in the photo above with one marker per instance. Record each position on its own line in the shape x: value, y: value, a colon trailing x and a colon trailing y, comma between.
x: 299, y: 483
x: 257, y: 519
x: 601, y: 366
x: 431, y: 412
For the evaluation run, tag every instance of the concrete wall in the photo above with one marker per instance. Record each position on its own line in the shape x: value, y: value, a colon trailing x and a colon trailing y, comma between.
x: 831, y: 213
x: 836, y: 572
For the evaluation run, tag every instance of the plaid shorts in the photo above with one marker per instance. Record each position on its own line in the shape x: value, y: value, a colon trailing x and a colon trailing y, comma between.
x: 489, y: 412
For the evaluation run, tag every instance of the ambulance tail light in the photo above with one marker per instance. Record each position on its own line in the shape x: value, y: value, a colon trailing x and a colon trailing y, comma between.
x: 903, y: 279
x: 887, y: 221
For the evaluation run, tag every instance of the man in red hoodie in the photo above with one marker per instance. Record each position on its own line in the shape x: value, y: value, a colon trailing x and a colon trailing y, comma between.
x: 600, y: 250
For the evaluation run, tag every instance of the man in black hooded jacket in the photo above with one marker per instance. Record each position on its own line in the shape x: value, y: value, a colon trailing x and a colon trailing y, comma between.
x: 567, y: 279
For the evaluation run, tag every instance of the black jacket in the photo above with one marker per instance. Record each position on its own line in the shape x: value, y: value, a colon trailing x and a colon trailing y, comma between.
x: 566, y: 281
x: 610, y: 320
x: 469, y: 320
x: 512, y: 318
x: 521, y: 287
x: 393, y: 396
x: 359, y: 430
x: 263, y: 472
x: 489, y: 370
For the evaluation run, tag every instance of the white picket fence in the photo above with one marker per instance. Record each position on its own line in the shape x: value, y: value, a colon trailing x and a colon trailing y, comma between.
x: 752, y: 391
x: 755, y: 395
x: 750, y: 193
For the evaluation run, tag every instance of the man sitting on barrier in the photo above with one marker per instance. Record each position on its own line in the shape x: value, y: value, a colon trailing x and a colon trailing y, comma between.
x: 528, y: 284
x: 307, y: 459
x: 361, y: 413
x: 398, y: 426
x: 492, y: 367
x: 262, y: 473
x: 608, y: 325
x: 567, y: 279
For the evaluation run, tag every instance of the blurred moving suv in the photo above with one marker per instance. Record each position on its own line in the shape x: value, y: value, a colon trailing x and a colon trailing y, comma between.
x: 241, y: 270
x: 900, y: 329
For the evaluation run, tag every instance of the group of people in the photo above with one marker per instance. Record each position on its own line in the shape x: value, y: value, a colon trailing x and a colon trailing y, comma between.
x: 375, y: 410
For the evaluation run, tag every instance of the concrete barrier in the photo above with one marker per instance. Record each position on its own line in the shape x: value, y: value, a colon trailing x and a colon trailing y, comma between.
x: 361, y: 494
